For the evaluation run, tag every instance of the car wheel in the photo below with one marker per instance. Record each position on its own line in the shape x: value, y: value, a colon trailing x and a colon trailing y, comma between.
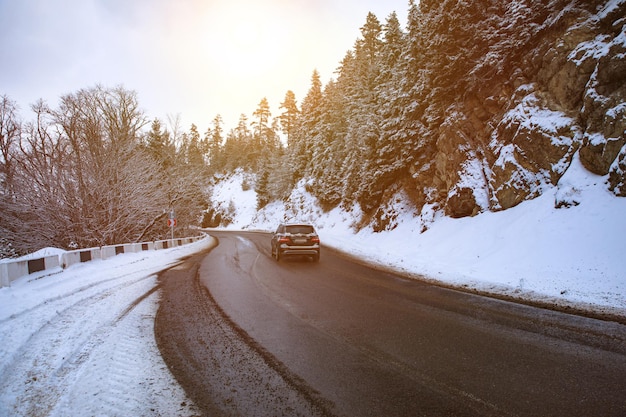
x: 277, y: 255
x: 316, y: 257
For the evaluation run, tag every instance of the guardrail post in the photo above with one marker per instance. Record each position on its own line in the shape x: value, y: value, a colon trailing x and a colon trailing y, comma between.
x: 4, y: 275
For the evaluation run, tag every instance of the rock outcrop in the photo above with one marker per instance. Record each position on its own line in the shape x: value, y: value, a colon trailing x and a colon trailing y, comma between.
x: 547, y: 81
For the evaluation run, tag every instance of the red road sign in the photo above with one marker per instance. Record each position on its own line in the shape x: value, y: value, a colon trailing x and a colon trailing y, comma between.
x: 171, y: 222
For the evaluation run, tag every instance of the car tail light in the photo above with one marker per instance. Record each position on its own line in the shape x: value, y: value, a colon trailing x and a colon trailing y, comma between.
x: 315, y: 239
x: 283, y: 239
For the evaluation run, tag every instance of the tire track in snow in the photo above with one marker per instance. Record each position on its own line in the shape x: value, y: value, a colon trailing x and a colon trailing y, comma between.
x: 51, y: 364
x: 35, y: 318
x: 31, y: 319
x: 119, y: 365
x: 45, y: 360
x: 85, y: 290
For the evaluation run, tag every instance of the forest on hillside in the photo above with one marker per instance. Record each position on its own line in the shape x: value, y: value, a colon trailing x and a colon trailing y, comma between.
x: 470, y: 106
x: 473, y: 107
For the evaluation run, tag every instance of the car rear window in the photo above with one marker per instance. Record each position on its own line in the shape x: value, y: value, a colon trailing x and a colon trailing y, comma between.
x: 304, y: 229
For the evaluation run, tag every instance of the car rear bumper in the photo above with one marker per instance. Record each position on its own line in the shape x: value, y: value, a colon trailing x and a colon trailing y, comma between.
x: 299, y: 250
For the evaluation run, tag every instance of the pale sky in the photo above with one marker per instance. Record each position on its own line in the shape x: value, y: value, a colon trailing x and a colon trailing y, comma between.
x: 196, y: 58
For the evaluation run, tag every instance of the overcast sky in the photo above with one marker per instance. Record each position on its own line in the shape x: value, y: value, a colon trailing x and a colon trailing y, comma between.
x: 196, y: 58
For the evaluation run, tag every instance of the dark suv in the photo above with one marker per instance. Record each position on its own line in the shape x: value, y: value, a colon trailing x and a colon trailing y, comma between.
x: 296, y: 239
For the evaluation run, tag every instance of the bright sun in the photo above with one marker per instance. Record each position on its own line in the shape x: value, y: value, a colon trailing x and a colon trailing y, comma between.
x: 246, y: 43
x: 233, y: 55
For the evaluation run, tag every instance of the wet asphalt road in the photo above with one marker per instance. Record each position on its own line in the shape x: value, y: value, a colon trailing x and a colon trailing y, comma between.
x: 350, y: 340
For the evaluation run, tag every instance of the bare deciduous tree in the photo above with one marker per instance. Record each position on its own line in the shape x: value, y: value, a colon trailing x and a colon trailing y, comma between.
x: 83, y: 176
x: 10, y: 130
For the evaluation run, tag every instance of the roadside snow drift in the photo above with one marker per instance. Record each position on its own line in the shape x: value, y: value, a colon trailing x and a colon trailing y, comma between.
x: 81, y: 342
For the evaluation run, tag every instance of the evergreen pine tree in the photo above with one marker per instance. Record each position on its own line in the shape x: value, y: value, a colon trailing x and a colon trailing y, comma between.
x: 194, y: 152
x: 214, y: 139
x: 289, y: 117
x: 392, y: 157
x: 264, y: 136
x: 159, y: 145
x: 361, y: 75
x: 261, y: 188
x: 307, y: 131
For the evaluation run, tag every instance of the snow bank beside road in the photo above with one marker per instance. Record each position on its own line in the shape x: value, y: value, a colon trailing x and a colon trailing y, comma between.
x: 81, y: 341
x: 572, y: 256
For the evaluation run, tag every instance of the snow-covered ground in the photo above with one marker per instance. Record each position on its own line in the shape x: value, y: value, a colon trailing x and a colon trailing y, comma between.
x: 572, y: 256
x: 80, y: 341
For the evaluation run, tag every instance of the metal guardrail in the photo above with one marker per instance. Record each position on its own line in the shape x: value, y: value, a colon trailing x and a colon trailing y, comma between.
x: 12, y: 270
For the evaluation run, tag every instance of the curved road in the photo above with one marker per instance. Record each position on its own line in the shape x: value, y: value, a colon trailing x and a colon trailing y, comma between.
x: 245, y: 335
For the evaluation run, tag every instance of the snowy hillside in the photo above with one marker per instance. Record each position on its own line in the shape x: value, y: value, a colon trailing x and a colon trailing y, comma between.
x: 571, y: 256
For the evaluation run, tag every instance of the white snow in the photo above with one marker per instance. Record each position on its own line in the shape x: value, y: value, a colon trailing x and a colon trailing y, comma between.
x: 472, y: 176
x: 41, y: 253
x: 232, y: 196
x: 80, y: 341
x: 594, y: 49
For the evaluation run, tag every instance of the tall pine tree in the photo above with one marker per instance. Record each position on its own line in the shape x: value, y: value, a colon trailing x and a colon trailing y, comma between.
x: 289, y: 116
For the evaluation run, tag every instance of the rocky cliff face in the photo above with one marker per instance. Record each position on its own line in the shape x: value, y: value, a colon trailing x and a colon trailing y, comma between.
x: 544, y: 81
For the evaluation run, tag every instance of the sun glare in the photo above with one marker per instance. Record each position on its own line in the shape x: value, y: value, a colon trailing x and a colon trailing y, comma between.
x: 232, y: 56
x: 247, y: 43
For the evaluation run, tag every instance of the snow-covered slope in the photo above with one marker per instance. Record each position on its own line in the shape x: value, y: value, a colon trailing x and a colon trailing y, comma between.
x: 572, y: 255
